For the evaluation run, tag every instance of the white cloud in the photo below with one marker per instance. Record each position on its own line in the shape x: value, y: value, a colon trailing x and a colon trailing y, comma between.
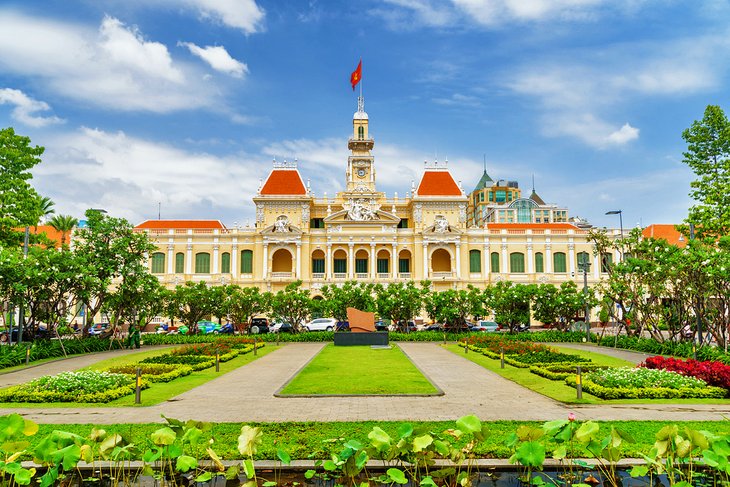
x: 112, y: 67
x: 26, y: 108
x: 458, y: 99
x: 218, y: 58
x: 624, y: 134
x: 245, y: 15
x: 496, y: 12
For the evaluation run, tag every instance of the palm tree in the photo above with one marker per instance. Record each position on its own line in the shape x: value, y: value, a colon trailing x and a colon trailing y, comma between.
x: 64, y: 224
x: 46, y: 205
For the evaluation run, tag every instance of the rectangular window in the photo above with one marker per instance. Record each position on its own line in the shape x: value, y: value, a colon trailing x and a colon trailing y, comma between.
x: 318, y: 266
x: 491, y: 196
x: 481, y: 197
x: 226, y: 263
x: 539, y: 264
x: 475, y: 261
x: 517, y: 262
x: 316, y: 223
x: 361, y: 266
x: 403, y: 223
x: 246, y: 262
x: 179, y: 263
x: 158, y: 263
x: 404, y: 265
x: 383, y: 266
x: 494, y: 261
x: 202, y: 263
x: 340, y: 266
x: 501, y: 195
x: 559, y: 262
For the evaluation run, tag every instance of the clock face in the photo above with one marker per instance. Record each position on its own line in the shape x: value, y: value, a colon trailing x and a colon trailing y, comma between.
x: 361, y: 173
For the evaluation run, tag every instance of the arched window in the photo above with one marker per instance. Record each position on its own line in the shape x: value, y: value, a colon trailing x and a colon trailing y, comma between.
x: 539, y: 262
x: 517, y: 262
x: 318, y: 262
x: 559, y: 262
x: 494, y: 258
x: 247, y: 262
x: 225, y: 263
x: 179, y: 263
x: 361, y: 132
x: 202, y: 263
x: 383, y: 262
x: 475, y: 261
x: 158, y: 263
x: 523, y: 207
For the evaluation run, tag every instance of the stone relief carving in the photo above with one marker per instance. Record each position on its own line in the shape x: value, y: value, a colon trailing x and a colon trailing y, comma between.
x: 440, y: 224
x: 361, y: 210
x: 282, y: 224
x: 462, y: 213
x: 305, y: 212
x: 417, y: 212
x: 259, y: 212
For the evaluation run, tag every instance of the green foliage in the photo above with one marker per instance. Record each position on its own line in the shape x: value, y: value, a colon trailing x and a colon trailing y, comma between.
x: 454, y: 306
x: 191, y: 302
x: 243, y: 303
x: 153, y: 372
x: 12, y: 355
x: 358, y: 295
x: 510, y: 303
x: 64, y: 224
x: 559, y: 305
x: 84, y: 387
x: 400, y: 302
x: 292, y: 305
x: 647, y: 392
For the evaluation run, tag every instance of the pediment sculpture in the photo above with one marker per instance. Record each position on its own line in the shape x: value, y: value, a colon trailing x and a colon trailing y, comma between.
x: 281, y: 225
x: 440, y: 224
x: 361, y: 210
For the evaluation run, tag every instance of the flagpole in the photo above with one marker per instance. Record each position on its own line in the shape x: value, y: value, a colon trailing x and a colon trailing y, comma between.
x: 361, y: 78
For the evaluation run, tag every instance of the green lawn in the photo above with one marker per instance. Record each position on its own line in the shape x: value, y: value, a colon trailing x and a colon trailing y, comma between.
x: 560, y: 391
x: 359, y: 371
x: 157, y: 392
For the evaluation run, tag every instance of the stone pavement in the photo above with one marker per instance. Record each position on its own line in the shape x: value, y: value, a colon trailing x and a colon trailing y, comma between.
x: 247, y: 394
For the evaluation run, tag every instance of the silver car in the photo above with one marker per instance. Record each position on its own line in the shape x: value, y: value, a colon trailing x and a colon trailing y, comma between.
x: 321, y: 324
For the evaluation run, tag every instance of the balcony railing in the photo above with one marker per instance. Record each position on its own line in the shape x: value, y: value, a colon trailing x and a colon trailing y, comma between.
x: 404, y: 275
x: 442, y: 274
x: 317, y: 275
x: 361, y: 275
x: 383, y: 275
x: 340, y: 275
x: 281, y: 275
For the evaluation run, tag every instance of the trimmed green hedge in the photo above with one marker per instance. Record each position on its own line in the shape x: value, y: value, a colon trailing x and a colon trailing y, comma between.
x: 196, y: 362
x: 20, y: 393
x: 12, y: 355
x: 677, y: 349
x: 648, y: 392
x: 562, y: 371
x: 154, y: 372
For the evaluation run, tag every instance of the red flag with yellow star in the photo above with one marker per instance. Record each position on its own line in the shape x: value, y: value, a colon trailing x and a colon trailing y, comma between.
x: 356, y: 75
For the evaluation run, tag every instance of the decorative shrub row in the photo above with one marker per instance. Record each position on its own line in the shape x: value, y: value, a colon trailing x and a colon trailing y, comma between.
x: 154, y: 372
x: 84, y: 386
x: 678, y: 349
x: 713, y: 372
x: 562, y: 371
x: 647, y: 392
x: 196, y: 362
x: 513, y: 359
x: 12, y: 355
x: 549, y: 357
x: 639, y: 377
x: 205, y: 349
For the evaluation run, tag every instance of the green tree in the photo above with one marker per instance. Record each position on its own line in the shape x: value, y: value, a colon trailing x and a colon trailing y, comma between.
x: 559, y: 306
x: 64, y: 224
x: 111, y: 248
x: 510, y: 303
x: 137, y: 299
x: 708, y: 155
x: 292, y: 305
x: 400, y: 302
x: 452, y: 307
x: 350, y: 294
x: 20, y: 205
x: 191, y: 302
x: 47, y: 209
x: 244, y: 303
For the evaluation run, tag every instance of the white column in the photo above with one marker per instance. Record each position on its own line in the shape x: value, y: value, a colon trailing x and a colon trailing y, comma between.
x: 394, y: 261
x: 571, y: 256
x: 170, y: 258
x: 530, y: 260
x: 189, y: 259
x: 458, y: 260
x: 504, y: 269
x: 425, y: 261
x: 548, y: 257
x: 298, y: 274
x: 373, y: 259
x: 265, y: 268
x: 215, y: 259
x: 328, y: 265
x: 234, y: 261
x: 487, y: 260
x: 596, y: 267
x: 351, y: 262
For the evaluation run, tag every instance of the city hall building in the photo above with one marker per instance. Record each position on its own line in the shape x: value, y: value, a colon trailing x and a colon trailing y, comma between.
x: 436, y: 232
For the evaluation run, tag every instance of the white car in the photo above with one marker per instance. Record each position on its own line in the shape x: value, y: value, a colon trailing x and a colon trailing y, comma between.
x: 321, y: 324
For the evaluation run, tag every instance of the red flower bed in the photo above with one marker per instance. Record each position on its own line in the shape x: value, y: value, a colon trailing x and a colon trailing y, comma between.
x: 712, y: 372
x: 495, y: 343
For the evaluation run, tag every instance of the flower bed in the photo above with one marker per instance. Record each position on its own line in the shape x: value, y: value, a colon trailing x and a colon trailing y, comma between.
x: 154, y: 372
x: 209, y: 349
x: 713, y: 372
x: 196, y: 362
x: 496, y: 343
x: 642, y: 383
x: 83, y: 386
x: 562, y: 371
x: 549, y: 356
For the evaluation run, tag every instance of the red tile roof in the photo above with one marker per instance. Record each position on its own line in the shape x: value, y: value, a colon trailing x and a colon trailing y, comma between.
x: 532, y: 226
x: 665, y: 232
x: 438, y: 183
x: 284, y: 182
x: 181, y: 224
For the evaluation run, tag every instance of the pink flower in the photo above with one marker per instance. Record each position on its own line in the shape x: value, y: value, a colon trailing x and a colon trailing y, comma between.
x: 571, y: 417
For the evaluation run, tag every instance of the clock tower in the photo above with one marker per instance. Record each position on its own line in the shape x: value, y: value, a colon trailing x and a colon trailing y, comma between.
x: 360, y: 167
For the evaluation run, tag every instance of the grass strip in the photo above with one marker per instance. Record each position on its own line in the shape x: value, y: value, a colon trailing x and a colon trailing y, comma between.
x: 559, y: 390
x: 314, y: 440
x: 160, y: 391
x: 359, y: 370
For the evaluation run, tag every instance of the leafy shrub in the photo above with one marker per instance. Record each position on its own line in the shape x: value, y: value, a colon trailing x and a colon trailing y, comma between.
x: 153, y: 372
x: 677, y: 349
x: 548, y: 356
x: 641, y: 377
x: 497, y: 343
x: 12, y: 355
x: 647, y: 392
x: 712, y: 372
x: 83, y: 386
x: 562, y: 371
x: 210, y: 349
x: 196, y: 362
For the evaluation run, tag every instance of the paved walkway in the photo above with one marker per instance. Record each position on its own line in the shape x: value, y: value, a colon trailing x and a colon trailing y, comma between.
x: 247, y: 394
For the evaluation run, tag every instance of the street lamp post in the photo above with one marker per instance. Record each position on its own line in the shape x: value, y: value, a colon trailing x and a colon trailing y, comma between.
x: 621, y: 224
x: 585, y: 266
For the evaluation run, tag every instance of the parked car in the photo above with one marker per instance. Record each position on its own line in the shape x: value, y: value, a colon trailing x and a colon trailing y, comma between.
x: 206, y: 327
x: 98, y: 328
x: 258, y: 325
x: 281, y: 327
x: 403, y: 327
x: 381, y: 326
x: 226, y: 329
x: 321, y: 324
x: 434, y: 327
x: 342, y: 326
x: 485, y: 326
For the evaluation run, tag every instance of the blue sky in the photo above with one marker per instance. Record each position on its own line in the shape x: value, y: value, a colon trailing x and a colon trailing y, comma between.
x: 186, y: 102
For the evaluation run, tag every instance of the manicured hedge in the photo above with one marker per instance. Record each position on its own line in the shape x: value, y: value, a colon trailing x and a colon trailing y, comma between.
x: 12, y: 355
x: 647, y: 392
x: 154, y: 372
x: 514, y: 361
x: 83, y: 386
x: 678, y: 349
x: 562, y: 371
x: 196, y: 362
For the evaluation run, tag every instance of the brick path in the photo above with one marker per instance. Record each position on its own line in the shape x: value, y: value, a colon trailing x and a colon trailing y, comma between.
x: 246, y: 394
